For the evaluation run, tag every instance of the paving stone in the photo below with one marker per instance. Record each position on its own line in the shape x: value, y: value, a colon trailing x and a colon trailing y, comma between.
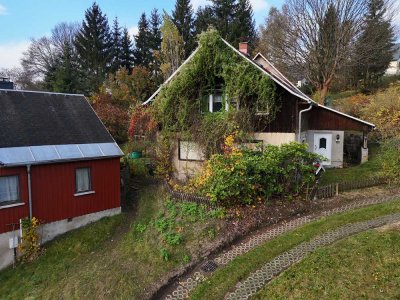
x: 184, y: 288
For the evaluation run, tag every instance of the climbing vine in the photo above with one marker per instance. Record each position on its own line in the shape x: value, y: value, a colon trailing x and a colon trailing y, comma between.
x: 216, y: 67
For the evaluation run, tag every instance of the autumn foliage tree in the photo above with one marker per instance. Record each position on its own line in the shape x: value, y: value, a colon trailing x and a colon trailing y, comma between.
x: 121, y: 94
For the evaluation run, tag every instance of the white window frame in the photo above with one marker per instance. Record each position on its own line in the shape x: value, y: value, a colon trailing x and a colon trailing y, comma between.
x: 17, y: 192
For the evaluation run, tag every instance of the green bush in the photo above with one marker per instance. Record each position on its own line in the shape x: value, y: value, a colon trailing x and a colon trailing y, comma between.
x: 138, y: 167
x: 390, y: 158
x: 244, y: 176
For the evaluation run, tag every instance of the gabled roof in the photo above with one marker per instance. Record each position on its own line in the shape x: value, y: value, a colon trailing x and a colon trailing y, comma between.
x: 37, y: 126
x: 270, y: 71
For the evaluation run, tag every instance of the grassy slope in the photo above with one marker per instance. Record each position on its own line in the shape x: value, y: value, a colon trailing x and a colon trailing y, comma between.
x: 363, y: 266
x: 224, y: 279
x: 107, y: 259
x: 367, y: 170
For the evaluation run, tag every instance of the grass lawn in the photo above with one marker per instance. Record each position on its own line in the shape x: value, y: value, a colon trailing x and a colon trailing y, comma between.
x: 118, y: 257
x: 365, y: 266
x: 225, y: 278
x: 367, y: 170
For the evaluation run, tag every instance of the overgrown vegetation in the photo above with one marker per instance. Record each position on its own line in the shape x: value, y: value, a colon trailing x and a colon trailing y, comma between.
x: 182, y: 105
x: 30, y: 246
x: 245, y: 176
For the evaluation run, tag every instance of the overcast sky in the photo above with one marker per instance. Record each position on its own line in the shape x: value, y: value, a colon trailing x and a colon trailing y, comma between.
x: 21, y: 20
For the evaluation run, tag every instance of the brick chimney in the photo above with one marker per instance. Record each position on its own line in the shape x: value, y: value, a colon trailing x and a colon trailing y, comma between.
x: 244, y: 48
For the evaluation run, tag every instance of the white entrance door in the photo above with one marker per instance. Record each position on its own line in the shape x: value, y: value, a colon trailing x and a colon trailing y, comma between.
x: 323, y: 146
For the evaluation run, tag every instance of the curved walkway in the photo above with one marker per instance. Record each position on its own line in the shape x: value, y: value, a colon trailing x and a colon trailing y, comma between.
x: 184, y: 287
x: 259, y: 278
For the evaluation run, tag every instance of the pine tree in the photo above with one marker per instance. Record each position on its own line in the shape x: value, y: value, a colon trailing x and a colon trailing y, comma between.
x: 142, y: 52
x: 374, y: 48
x: 182, y: 17
x: 243, y: 24
x: 126, y: 51
x: 204, y: 19
x: 94, y: 47
x: 117, y: 46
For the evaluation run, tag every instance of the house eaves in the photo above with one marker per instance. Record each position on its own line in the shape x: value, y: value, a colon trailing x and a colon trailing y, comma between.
x: 283, y: 82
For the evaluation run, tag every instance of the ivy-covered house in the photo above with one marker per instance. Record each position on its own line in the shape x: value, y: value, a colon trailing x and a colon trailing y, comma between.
x: 219, y: 90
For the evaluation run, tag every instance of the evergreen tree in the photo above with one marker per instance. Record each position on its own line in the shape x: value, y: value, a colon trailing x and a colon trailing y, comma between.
x: 204, y: 19
x: 67, y: 76
x: 155, y: 32
x: 126, y: 51
x: 94, y: 47
x: 155, y: 43
x: 243, y: 24
x: 117, y: 46
x: 224, y: 15
x: 374, y: 48
x: 182, y: 17
x: 142, y: 52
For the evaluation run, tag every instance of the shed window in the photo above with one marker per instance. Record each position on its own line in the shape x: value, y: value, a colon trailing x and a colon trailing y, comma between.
x: 322, y: 143
x: 190, y: 151
x: 83, y: 180
x: 9, y: 189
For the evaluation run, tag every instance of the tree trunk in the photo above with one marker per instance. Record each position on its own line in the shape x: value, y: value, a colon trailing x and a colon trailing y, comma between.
x: 323, y: 92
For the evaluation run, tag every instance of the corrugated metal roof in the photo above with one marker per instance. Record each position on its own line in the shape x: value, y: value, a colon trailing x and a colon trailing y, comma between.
x: 33, y: 155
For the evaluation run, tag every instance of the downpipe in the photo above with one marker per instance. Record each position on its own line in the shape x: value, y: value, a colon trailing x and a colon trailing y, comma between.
x: 28, y: 171
x: 300, y: 117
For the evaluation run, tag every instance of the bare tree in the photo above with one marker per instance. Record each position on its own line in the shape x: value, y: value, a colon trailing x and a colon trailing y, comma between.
x: 43, y: 52
x: 316, y: 37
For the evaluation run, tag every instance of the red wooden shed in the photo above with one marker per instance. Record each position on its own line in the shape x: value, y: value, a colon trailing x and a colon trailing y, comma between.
x: 58, y: 163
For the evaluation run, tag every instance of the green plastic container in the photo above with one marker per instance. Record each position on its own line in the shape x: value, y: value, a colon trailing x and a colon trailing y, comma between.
x: 135, y: 154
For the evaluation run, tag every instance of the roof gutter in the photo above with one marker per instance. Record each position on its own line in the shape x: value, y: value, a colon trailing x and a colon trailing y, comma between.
x: 300, y: 117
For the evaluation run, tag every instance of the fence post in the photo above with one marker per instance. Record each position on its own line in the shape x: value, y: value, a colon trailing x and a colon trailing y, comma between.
x: 337, y: 189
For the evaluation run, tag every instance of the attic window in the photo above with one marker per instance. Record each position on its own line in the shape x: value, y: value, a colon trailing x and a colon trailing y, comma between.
x: 216, y: 102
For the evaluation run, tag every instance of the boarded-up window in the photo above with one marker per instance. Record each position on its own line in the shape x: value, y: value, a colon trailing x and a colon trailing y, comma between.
x: 190, y: 151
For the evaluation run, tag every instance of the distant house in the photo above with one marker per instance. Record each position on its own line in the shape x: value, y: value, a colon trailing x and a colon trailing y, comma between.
x: 339, y: 137
x: 58, y: 163
x: 394, y: 66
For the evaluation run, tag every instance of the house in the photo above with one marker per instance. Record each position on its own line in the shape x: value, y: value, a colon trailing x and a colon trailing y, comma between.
x: 58, y: 163
x: 394, y: 66
x: 339, y: 137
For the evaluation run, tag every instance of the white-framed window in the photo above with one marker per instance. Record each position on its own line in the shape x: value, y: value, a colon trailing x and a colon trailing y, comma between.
x: 216, y: 101
x: 190, y: 151
x: 83, y: 180
x: 9, y: 189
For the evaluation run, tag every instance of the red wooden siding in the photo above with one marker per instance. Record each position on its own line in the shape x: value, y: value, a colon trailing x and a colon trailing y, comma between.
x: 53, y: 189
x: 13, y: 214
